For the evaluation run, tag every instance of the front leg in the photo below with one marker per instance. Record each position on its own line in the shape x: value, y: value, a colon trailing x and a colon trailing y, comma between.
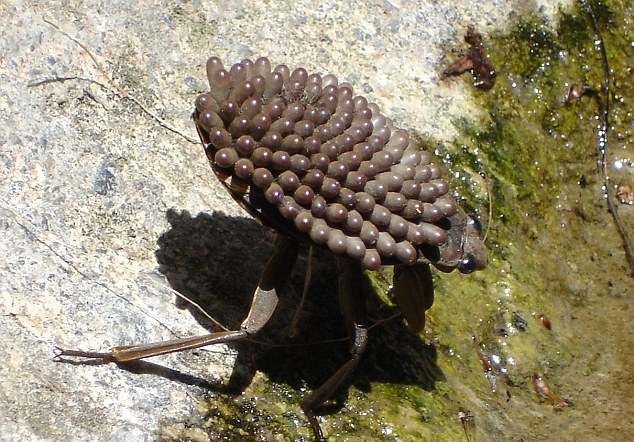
x: 353, y: 309
x: 263, y: 304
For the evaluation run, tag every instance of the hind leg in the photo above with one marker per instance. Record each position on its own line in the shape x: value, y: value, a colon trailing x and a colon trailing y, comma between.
x: 265, y: 299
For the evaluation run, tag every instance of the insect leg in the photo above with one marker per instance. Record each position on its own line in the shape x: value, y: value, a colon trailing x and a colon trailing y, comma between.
x: 352, y: 304
x: 263, y: 305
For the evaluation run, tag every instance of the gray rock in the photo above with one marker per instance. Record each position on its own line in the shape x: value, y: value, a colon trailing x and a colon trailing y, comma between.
x: 88, y: 172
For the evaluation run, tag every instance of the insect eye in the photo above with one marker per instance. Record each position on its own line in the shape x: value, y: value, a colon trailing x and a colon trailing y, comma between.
x: 468, y: 264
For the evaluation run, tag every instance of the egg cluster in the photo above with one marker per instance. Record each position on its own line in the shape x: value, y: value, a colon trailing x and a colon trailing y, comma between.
x: 327, y: 160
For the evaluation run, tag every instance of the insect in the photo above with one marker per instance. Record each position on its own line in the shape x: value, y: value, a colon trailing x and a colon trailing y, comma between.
x: 321, y: 166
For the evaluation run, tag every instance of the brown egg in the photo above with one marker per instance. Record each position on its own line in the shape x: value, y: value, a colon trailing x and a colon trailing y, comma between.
x: 337, y: 241
x: 226, y: 157
x: 371, y: 259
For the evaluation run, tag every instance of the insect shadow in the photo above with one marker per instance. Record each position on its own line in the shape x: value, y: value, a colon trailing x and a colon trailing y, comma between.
x: 215, y: 260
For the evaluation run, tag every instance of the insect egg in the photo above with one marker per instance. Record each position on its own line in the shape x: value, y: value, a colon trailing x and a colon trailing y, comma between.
x: 283, y: 125
x: 262, y: 177
x: 219, y: 79
x: 431, y: 213
x: 251, y: 107
x: 243, y: 168
x: 330, y: 149
x: 272, y: 139
x: 304, y: 195
x: 433, y: 234
x: 303, y: 221
x: 311, y: 145
x: 413, y: 210
x: 394, y: 201
x: 328, y: 101
x: 259, y: 84
x: 447, y: 206
x: 398, y: 227
x: 378, y: 119
x: 261, y: 156
x: 377, y: 189
x: 329, y: 80
x: 415, y: 234
x: 355, y: 181
x: 289, y: 209
x: 365, y: 203
x: 205, y: 102
x: 380, y: 216
x: 274, y: 193
x: 368, y: 168
x: 219, y: 137
x: 281, y: 160
x: 383, y: 135
x: 392, y: 180
x: 441, y: 187
x: 293, y: 112
x: 209, y: 119
x: 304, y: 128
x: 238, y: 75
x: 337, y: 170
x: 320, y: 161
x: 336, y: 213
x: 345, y: 91
x: 410, y: 189
x: 360, y: 102
x: 247, y: 64
x: 262, y: 66
x: 399, y: 139
x: 435, y: 171
x: 239, y: 126
x: 423, y: 173
x: 410, y: 157
x: 371, y: 259
x: 364, y: 150
x: 284, y: 71
x: 337, y: 241
x: 314, y: 178
x: 354, y: 222
x: 273, y: 86
x: 299, y: 75
x: 385, y: 244
x: 330, y: 188
x: 405, y: 252
x: 228, y: 111
x: 348, y: 198
x: 293, y: 143
x: 355, y: 247
x: 383, y: 160
x: 245, y: 145
x: 313, y: 91
x: 300, y: 163
x: 226, y: 157
x: 260, y: 124
x: 274, y: 108
x: 405, y: 171
x: 357, y: 131
x: 318, y: 206
x: 351, y: 159
x: 369, y: 233
x: 428, y: 192
x: 288, y: 180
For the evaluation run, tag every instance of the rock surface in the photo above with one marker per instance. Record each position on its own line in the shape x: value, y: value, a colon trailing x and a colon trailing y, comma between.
x: 96, y: 144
